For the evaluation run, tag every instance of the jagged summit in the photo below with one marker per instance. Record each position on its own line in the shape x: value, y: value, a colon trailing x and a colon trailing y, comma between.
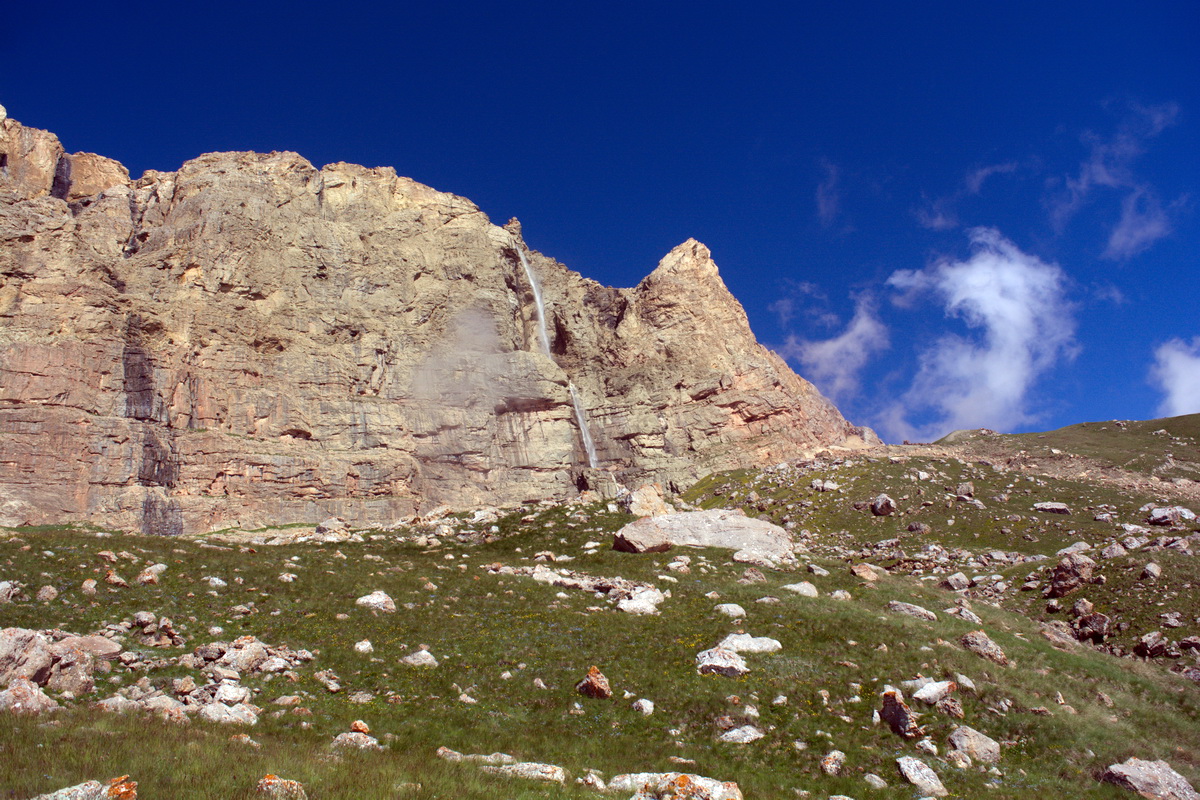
x: 252, y: 340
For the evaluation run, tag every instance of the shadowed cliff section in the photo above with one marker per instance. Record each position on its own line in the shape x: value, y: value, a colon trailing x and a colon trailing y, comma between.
x: 252, y: 341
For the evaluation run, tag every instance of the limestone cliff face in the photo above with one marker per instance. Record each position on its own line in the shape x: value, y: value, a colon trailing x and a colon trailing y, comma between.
x: 251, y: 341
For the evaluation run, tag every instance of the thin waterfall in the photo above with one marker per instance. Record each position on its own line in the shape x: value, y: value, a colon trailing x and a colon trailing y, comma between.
x: 589, y: 446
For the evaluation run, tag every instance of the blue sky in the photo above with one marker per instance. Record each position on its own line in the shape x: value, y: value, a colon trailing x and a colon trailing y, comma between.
x: 945, y: 214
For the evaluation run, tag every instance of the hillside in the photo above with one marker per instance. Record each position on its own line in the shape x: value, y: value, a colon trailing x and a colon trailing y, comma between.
x: 1096, y: 665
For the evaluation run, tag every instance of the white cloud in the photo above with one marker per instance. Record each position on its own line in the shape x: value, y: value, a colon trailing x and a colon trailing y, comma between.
x: 1110, y: 166
x: 938, y: 215
x: 1023, y: 325
x: 1176, y: 372
x: 834, y: 364
x: 829, y: 196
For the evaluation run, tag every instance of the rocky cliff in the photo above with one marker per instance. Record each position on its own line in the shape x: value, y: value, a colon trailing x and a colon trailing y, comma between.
x: 252, y: 341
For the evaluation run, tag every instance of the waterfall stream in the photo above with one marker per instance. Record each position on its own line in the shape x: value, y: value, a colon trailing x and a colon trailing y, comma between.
x: 589, y: 446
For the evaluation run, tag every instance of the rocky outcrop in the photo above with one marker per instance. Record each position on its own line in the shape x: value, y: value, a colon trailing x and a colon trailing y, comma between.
x: 251, y: 340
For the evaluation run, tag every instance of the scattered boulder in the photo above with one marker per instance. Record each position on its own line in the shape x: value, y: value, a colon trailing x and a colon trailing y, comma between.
x: 719, y: 661
x: 731, y: 610
x: 421, y: 658
x: 276, y: 788
x: 981, y: 645
x: 918, y: 773
x: 934, y: 692
x: 530, y: 771
x: 1151, y: 571
x: 865, y: 571
x: 833, y: 762
x: 971, y: 742
x: 899, y: 717
x: 673, y: 786
x: 804, y: 589
x: 446, y: 754
x: 755, y: 541
x: 743, y: 734
x: 23, y: 696
x: 642, y: 601
x: 644, y: 707
x: 1052, y: 508
x: 647, y: 501
x: 956, y: 583
x: 745, y: 643
x: 1170, y: 516
x: 117, y: 789
x: 594, y: 685
x: 356, y: 740
x: 1072, y: 572
x: 47, y: 594
x: 883, y: 506
x: 911, y: 610
x: 377, y: 602
x: 1151, y: 779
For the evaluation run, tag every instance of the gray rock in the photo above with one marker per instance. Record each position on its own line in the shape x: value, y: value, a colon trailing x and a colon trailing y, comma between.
x: 918, y: 773
x: 981, y: 645
x: 744, y: 734
x: 731, y: 610
x: 1052, y: 508
x: 24, y: 653
x: 899, y: 717
x: 1151, y: 779
x: 377, y: 602
x: 934, y: 691
x: 643, y: 601
x: 911, y: 610
x: 421, y: 658
x: 356, y: 740
x: 1171, y: 515
x: 883, y: 506
x: 1151, y: 571
x: 240, y: 714
x: 529, y: 770
x: 1072, y: 572
x: 975, y: 744
x: 833, y: 762
x: 647, y: 785
x: 23, y: 696
x: 956, y: 582
x: 804, y: 589
x: 754, y: 540
x: 745, y: 643
x: 719, y: 661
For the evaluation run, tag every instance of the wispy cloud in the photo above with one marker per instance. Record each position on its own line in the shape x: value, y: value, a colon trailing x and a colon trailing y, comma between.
x: 1176, y: 372
x: 829, y: 194
x: 976, y: 177
x: 940, y: 213
x: 1020, y: 325
x: 1110, y: 166
x: 1143, y: 222
x: 834, y: 364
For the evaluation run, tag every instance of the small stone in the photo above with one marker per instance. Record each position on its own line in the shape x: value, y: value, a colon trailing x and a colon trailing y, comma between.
x: 276, y: 788
x: 731, y: 610
x: 421, y: 658
x: 981, y: 645
x: 874, y: 781
x: 934, y: 692
x: 365, y: 647
x: 1151, y: 571
x: 1052, y: 508
x: 865, y: 572
x: 594, y: 685
x: 919, y: 774
x: 47, y: 594
x: 911, y: 610
x: 956, y: 582
x: 377, y: 602
x: 744, y: 734
x: 833, y: 762
x: 644, y: 707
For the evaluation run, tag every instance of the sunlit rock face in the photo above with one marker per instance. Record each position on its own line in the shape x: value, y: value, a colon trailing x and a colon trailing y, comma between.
x: 251, y: 341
